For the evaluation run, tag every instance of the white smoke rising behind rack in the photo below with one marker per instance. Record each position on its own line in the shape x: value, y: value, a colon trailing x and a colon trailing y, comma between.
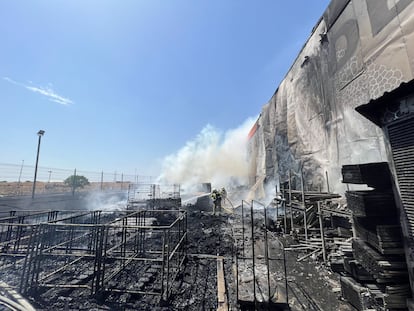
x: 97, y: 200
x: 212, y: 156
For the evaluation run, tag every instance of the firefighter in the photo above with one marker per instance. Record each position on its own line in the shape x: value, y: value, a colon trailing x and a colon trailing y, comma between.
x: 216, y: 196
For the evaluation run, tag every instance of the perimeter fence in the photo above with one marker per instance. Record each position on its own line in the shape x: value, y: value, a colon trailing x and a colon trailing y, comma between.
x: 17, y: 179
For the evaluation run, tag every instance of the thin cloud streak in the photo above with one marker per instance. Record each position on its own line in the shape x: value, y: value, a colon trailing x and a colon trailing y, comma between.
x: 48, y: 92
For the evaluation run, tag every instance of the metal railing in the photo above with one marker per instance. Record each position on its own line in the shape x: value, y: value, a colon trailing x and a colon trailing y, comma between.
x: 95, y: 250
x: 259, y: 260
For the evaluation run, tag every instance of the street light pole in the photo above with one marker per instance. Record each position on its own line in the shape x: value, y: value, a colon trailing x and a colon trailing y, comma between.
x: 40, y: 134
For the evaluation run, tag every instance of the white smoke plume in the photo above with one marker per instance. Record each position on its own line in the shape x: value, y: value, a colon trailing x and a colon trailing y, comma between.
x: 212, y: 156
x: 97, y: 200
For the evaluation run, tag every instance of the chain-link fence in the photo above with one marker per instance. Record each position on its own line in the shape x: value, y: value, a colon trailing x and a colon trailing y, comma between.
x: 17, y: 179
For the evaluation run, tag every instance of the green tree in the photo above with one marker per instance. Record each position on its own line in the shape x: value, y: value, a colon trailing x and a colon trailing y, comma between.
x: 76, y: 181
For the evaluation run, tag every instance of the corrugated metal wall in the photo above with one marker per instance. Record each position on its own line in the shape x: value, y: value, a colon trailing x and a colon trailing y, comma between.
x: 401, y: 136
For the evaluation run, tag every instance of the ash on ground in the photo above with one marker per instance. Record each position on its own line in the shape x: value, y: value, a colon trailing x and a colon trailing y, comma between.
x: 195, y: 288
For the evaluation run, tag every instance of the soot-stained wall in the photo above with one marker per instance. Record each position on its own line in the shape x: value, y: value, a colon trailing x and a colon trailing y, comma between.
x: 358, y: 50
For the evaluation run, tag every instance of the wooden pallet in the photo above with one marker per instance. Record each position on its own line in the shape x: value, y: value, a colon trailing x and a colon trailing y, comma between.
x: 356, y: 294
x: 371, y: 203
x: 376, y: 175
x: 384, y: 268
x: 392, y: 296
x: 356, y: 270
x: 386, y: 239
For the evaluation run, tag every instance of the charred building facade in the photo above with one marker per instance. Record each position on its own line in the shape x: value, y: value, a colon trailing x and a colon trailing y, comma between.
x: 347, y: 99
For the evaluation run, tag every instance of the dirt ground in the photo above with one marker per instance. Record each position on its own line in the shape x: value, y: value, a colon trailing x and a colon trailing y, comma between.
x: 26, y: 187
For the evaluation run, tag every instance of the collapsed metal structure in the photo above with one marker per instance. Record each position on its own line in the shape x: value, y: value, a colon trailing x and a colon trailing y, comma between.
x: 93, y: 249
x: 148, y: 196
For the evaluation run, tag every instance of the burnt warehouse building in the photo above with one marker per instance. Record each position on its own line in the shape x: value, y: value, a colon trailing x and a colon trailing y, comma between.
x: 348, y: 99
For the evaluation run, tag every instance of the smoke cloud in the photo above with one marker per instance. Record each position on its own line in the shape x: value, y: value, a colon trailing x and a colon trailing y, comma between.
x: 212, y: 156
x: 97, y: 200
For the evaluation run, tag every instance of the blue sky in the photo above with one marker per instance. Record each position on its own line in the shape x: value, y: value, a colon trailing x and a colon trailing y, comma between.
x: 120, y: 85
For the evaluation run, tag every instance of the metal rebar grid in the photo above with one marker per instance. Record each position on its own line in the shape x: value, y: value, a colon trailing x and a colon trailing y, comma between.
x: 23, y: 237
x: 16, y: 227
x: 260, y: 263
x: 138, y: 252
x: 153, y: 196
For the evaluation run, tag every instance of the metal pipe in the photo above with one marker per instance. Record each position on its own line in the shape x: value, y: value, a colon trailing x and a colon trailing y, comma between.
x: 237, y: 275
x: 322, y: 231
x: 277, y: 207
x: 35, y: 257
x: 104, y: 252
x: 168, y: 266
x: 284, y: 216
x: 253, y: 259
x: 25, y: 272
x: 286, y: 280
x: 44, y: 278
x: 327, y: 181
x: 124, y: 239
x: 70, y: 218
x: 42, y: 239
x: 305, y: 221
x: 179, y: 244
x: 66, y: 286
x: 97, y: 263
x: 115, y: 272
x: 267, y: 255
x: 40, y: 134
x: 136, y: 246
x: 243, y: 227
x: 290, y: 202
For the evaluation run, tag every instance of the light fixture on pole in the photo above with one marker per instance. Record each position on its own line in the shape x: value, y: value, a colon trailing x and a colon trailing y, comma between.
x: 40, y: 134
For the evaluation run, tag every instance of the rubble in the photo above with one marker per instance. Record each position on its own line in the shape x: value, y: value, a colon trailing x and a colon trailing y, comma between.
x: 113, y: 260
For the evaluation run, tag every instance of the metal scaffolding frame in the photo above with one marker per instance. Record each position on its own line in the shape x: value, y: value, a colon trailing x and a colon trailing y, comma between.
x: 153, y: 196
x: 15, y: 228
x: 95, y: 249
x: 256, y: 261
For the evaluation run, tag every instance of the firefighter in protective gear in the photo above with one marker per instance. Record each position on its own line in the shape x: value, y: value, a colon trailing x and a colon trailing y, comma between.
x: 216, y: 196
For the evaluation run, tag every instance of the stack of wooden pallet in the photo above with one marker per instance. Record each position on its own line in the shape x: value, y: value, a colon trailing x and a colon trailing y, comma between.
x: 395, y: 296
x: 391, y: 297
x: 378, y: 265
x: 371, y: 203
x: 357, y: 271
x: 386, y: 238
x: 384, y: 269
x: 376, y: 175
x: 359, y: 296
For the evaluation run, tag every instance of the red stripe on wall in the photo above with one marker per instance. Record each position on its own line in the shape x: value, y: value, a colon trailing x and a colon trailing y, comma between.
x: 253, y: 130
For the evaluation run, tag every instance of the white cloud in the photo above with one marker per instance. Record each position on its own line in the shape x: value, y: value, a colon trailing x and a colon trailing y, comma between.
x: 9, y: 80
x: 48, y: 92
x: 45, y: 91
